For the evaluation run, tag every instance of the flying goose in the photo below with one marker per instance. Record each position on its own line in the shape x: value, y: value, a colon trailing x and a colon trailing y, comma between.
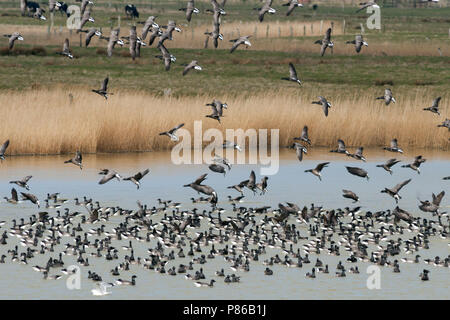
x: 200, y: 188
x: 304, y: 136
x: 251, y: 182
x: 350, y: 195
x: 137, y: 177
x: 103, y: 91
x: 166, y: 57
x: 387, y: 166
x: 23, y: 183
x: 14, y: 198
x: 156, y: 32
x: 292, y: 75
x: 217, y: 168
x: 66, y: 50
x: 435, y: 106
x: 393, y: 147
x: 341, y: 148
x: 266, y: 8
x: 368, y: 4
x: 299, y: 150
x: 445, y: 124
x: 358, y: 42
x: 388, y: 98
x: 215, y: 35
x: 149, y: 23
x: 53, y: 5
x: 358, y: 172
x: 215, y: 114
x: 85, y: 18
x: 190, y: 9
x: 171, y: 26
x: 316, y: 171
x: 171, y: 132
x: 239, y: 187
x: 292, y: 4
x: 133, y: 42
x: 393, y: 192
x: 324, y: 103
x: 219, y: 106
x: 416, y: 164
x: 325, y: 42
x: 219, y: 159
x: 30, y: 197
x: 239, y: 41
x: 109, y: 175
x: 76, y: 160
x: 427, y: 206
x: 3, y: 150
x: 358, y: 154
x: 113, y: 40
x: 38, y: 14
x: 12, y: 38
x: 229, y: 144
x: 84, y: 5
x: 262, y: 185
x: 190, y: 66
x: 217, y: 8
x: 90, y: 33
x: 401, y: 214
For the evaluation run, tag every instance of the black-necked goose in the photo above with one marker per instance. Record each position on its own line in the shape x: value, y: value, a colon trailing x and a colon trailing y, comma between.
x: 66, y: 49
x: 393, y: 192
x: 416, y: 164
x: 137, y: 177
x: 387, y: 166
x: 325, y: 42
x: 121, y: 282
x: 324, y: 103
x: 217, y: 168
x: 358, y: 172
x: 434, y: 107
x: 304, y: 137
x: 358, y: 154
x: 266, y: 8
x: 393, y: 146
x: 341, y: 147
x: 193, y: 65
x: 47, y: 277
x: 427, y: 206
x: 3, y: 150
x: 358, y: 42
x: 424, y: 275
x: 12, y: 38
x: 103, y: 91
x: 199, y: 284
x: 317, y: 170
x: 30, y: 197
x: 239, y: 41
x: 388, y: 98
x: 23, y: 183
x: 444, y: 124
x: 350, y: 195
x: 292, y: 75
x: 190, y: 9
x: 172, y: 132
x: 14, y: 198
x: 108, y: 175
x: 76, y: 160
x: 292, y: 4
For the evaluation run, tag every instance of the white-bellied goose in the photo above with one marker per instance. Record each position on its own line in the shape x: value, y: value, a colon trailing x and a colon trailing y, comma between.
x: 316, y: 171
x: 90, y: 33
x: 324, y: 103
x: 393, y: 192
x: 368, y: 4
x: 103, y: 91
x: 292, y: 75
x: 358, y: 42
x: 199, y: 284
x: 76, y: 160
x: 387, y: 166
x: 350, y: 195
x: 23, y: 183
x: 108, y: 175
x: 193, y: 65
x: 427, y: 206
x: 121, y: 282
x: 14, y: 198
x: 325, y: 42
x: 166, y: 57
x: 66, y: 50
x: 341, y: 147
x: 172, y: 132
x: 266, y: 8
x: 239, y: 41
x: 358, y: 172
x: 190, y: 9
x: 292, y: 4
x: 435, y: 106
x: 12, y: 38
x: 217, y: 168
x: 137, y: 177
x: 3, y: 149
x: 388, y: 98
x: 393, y: 146
x: 358, y: 154
x: 304, y: 137
x: 30, y: 197
x: 416, y: 164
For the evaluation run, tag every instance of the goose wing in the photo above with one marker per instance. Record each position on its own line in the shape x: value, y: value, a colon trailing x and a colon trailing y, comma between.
x: 437, y: 199
x: 3, y: 147
x: 172, y: 131
x: 14, y: 194
x: 322, y: 165
x: 392, y: 162
x: 398, y: 187
x: 66, y: 47
x: 105, y: 84
x: 252, y: 178
x: 200, y: 179
x: 78, y: 157
x: 394, y: 143
x: 25, y: 180
x: 292, y: 71
x: 327, y: 37
x: 436, y: 103
x: 341, y: 145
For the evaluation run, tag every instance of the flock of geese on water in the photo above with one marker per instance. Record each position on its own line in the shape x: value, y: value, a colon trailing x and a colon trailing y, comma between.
x: 182, y: 241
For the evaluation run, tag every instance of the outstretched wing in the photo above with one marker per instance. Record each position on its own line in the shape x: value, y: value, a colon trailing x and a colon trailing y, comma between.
x: 397, y: 188
x: 4, y: 146
x: 176, y: 128
x: 292, y: 71
x: 437, y: 199
x: 200, y: 179
x: 14, y: 194
x: 78, y: 157
x: 105, y: 84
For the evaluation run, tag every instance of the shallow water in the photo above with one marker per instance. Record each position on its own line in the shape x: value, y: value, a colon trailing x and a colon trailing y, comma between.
x: 165, y: 181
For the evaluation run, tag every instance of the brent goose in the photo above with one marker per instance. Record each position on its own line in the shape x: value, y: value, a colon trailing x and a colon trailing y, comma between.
x: 393, y: 192
x: 171, y: 26
x: 216, y: 114
x: 304, y: 137
x: 22, y: 183
x: 424, y: 275
x: 358, y: 154
x: 30, y: 197
x: 292, y: 75
x: 316, y: 171
x: 445, y: 124
x: 14, y: 198
x: 416, y: 164
x: 137, y: 177
x: 388, y: 98
x: 217, y: 168
x: 292, y: 4
x: 76, y: 160
x: 434, y: 107
x: 358, y: 42
x: 190, y: 9
x: 358, y: 172
x: 266, y: 8
x: 341, y: 147
x: 387, y: 166
x: 66, y: 50
x: 324, y: 103
x: 103, y: 91
x: 192, y: 65
x: 427, y: 206
x: 229, y: 144
x: 126, y: 282
x: 239, y: 41
x: 3, y: 149
x: 109, y: 175
x: 199, y: 284
x: 171, y: 132
x: 299, y: 149
x: 12, y: 38
x: 350, y: 195
x: 393, y: 146
x: 166, y: 57
x: 325, y: 42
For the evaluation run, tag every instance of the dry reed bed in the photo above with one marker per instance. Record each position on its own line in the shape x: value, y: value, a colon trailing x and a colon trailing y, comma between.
x: 45, y: 122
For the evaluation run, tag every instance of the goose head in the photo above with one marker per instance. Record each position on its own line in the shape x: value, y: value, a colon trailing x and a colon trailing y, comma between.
x: 91, y: 19
x: 98, y: 33
x: 177, y: 29
x: 271, y: 10
x: 220, y: 36
x: 197, y: 67
x: 20, y: 38
x: 196, y: 10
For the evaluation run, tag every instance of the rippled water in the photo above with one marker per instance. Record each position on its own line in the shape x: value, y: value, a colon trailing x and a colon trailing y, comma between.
x: 165, y: 181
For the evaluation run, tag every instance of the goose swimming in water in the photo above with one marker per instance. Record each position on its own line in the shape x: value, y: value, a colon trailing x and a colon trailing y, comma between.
x: 3, y: 150
x: 121, y: 282
x: 393, y: 192
x: 240, y: 41
x: 416, y: 164
x: 388, y: 98
x: 292, y: 75
x: 325, y: 42
x: 172, y: 132
x: 434, y: 107
x: 324, y: 103
x: 316, y: 171
x: 137, y: 177
x: 199, y: 284
x: 103, y: 91
x: 12, y: 39
x: 393, y: 146
x: 76, y: 160
x: 23, y: 183
x: 387, y: 166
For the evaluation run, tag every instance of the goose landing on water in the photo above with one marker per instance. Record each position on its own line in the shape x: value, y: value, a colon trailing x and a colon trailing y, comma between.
x: 137, y: 177
x: 416, y: 164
